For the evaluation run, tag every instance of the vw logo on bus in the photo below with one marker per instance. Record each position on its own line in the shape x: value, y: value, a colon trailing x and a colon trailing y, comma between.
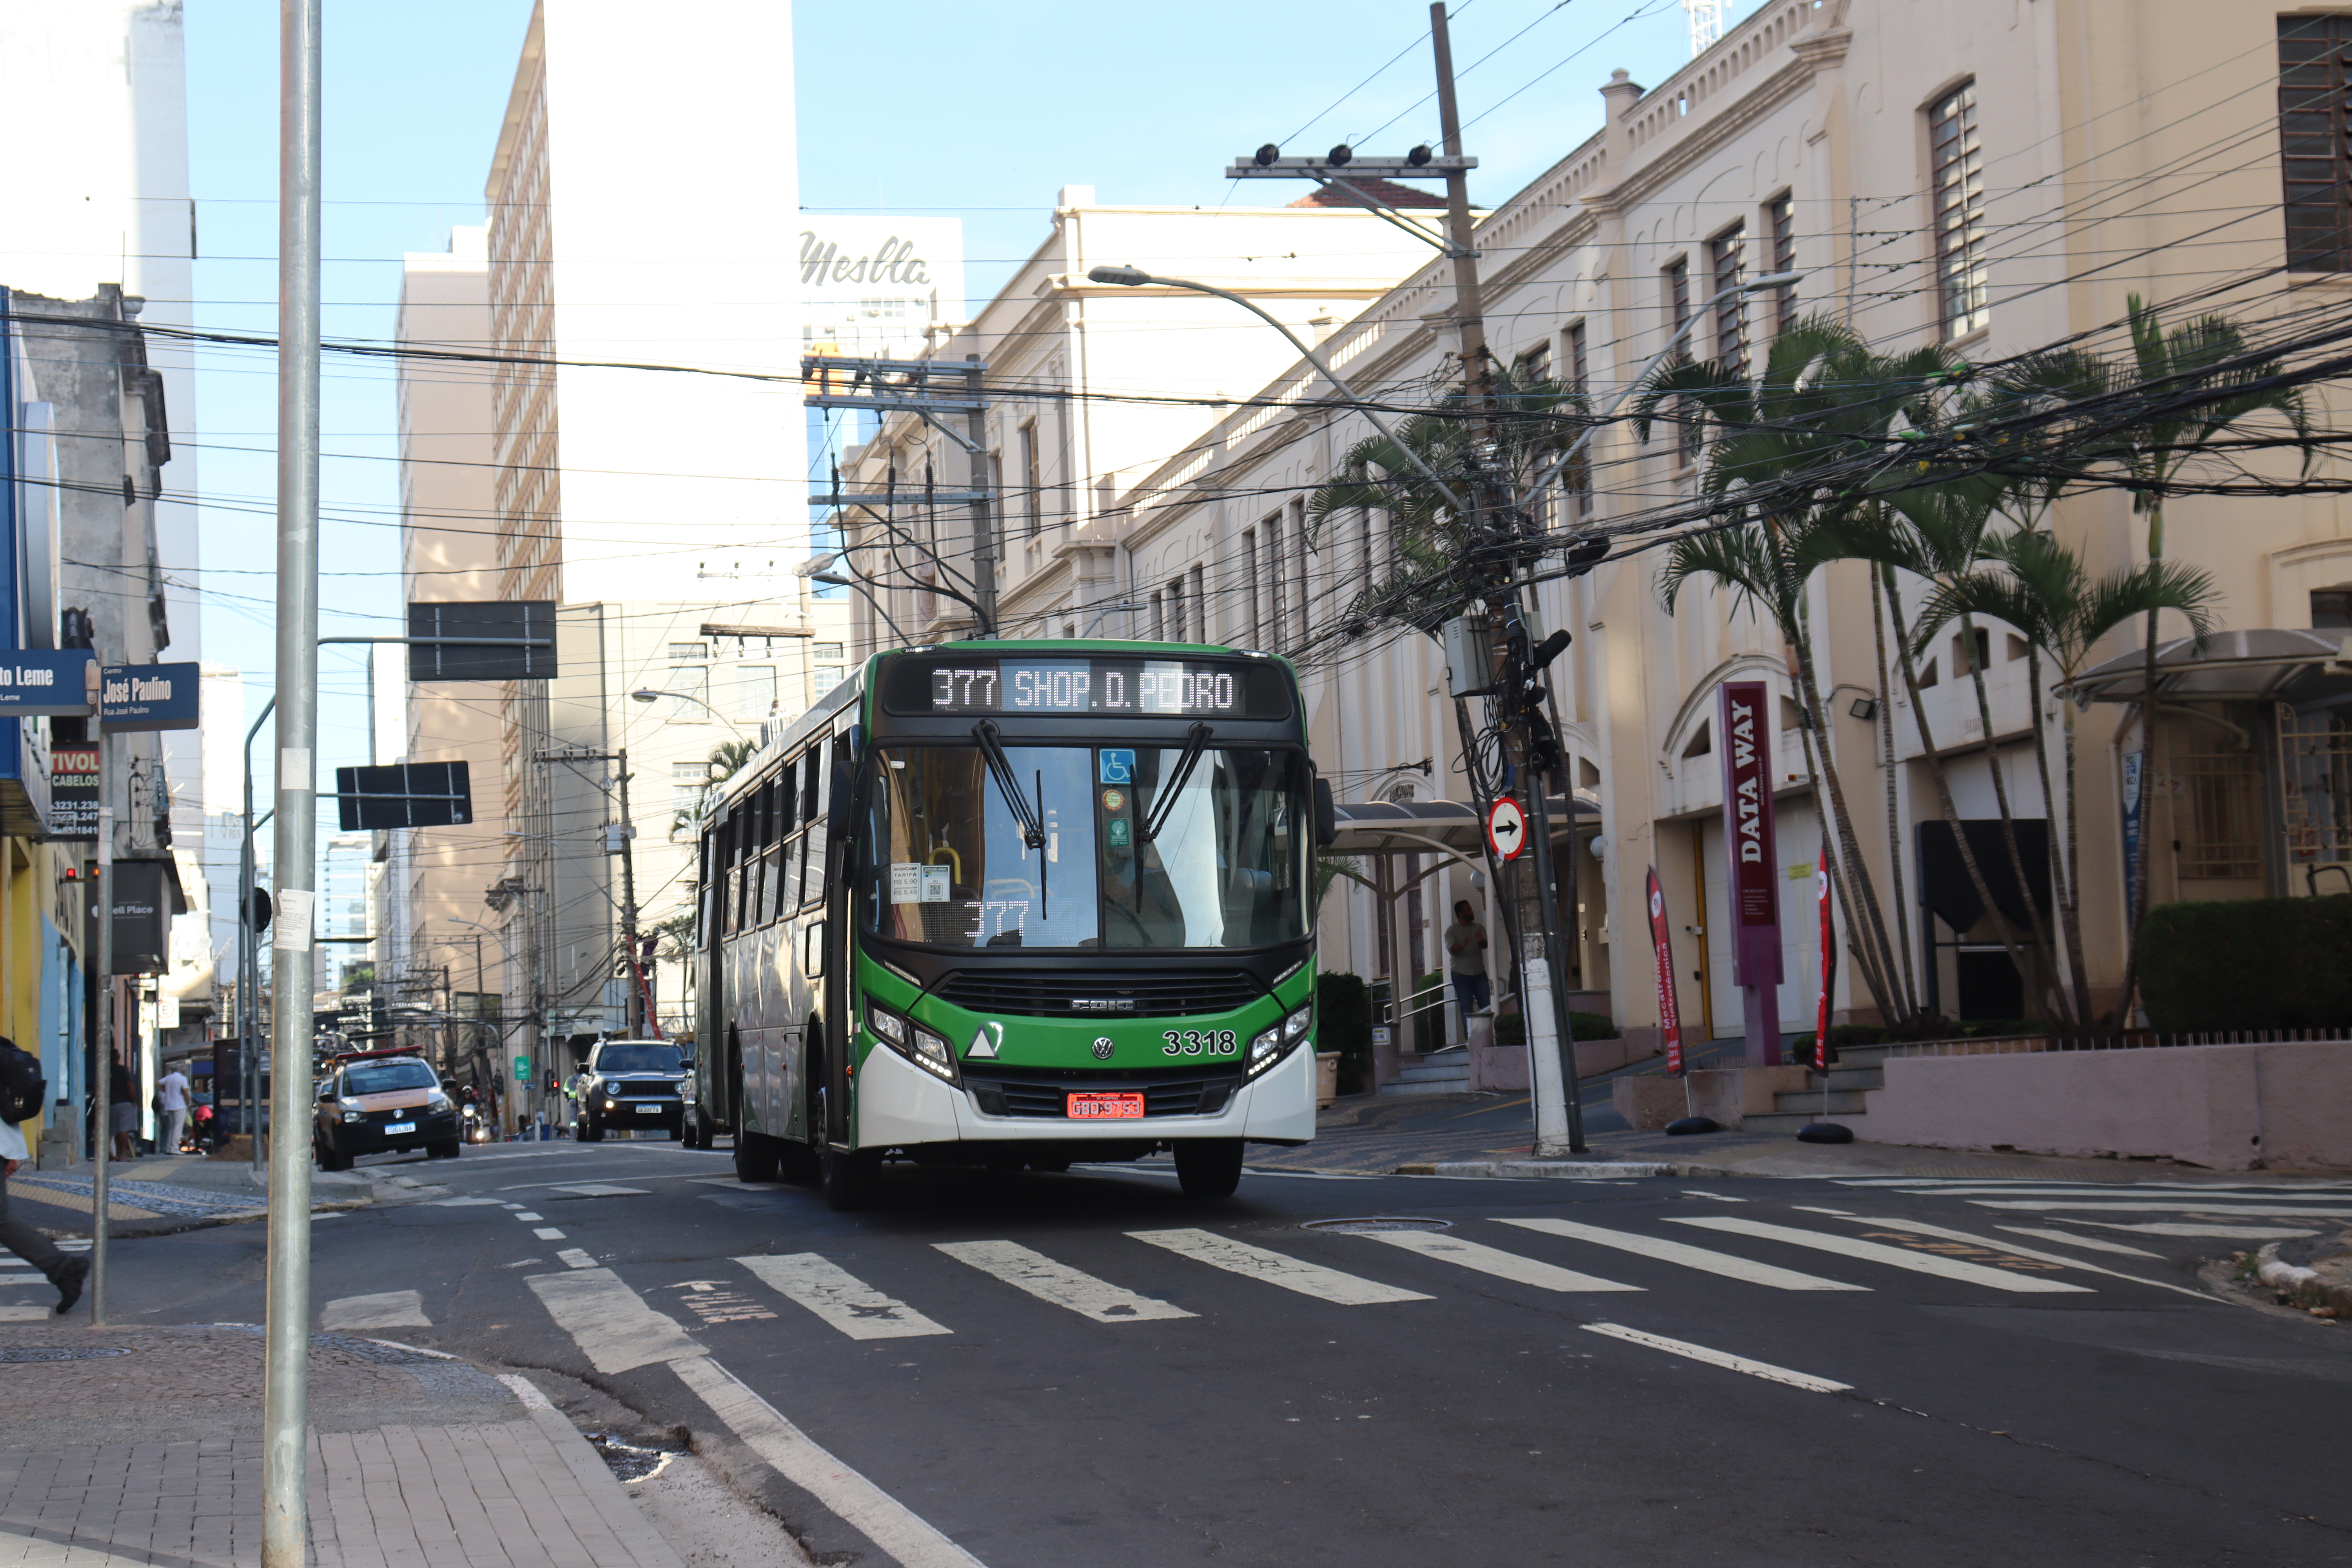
x: 1102, y: 1047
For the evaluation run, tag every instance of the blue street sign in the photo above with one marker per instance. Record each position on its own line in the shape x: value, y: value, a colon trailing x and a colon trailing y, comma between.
x: 56, y: 684
x: 151, y: 696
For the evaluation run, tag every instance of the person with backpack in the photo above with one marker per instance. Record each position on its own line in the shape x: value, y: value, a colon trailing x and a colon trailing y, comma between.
x: 23, y: 1091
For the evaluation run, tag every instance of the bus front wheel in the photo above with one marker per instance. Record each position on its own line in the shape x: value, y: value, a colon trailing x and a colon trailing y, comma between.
x: 848, y: 1177
x: 1208, y: 1167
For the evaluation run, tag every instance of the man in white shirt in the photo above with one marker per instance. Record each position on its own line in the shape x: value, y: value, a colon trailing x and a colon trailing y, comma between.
x: 172, y: 1088
x: 29, y: 1245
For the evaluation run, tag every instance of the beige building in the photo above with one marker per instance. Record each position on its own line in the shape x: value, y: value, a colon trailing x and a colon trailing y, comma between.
x: 438, y: 944
x: 1993, y: 178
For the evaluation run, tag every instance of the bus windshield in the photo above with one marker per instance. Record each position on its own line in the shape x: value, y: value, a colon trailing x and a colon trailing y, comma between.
x: 1136, y: 852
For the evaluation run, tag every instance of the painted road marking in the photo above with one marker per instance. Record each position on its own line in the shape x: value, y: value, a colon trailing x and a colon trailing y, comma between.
x: 1762, y: 1369
x: 597, y: 1190
x: 1276, y: 1268
x: 1493, y: 1261
x: 883, y: 1518
x: 1689, y: 1256
x: 1057, y: 1282
x: 385, y: 1309
x: 575, y: 1258
x: 2108, y: 1190
x: 2071, y: 1239
x: 547, y: 1233
x: 24, y: 1278
x: 1893, y: 1257
x: 525, y: 1215
x: 2249, y: 1210
x: 25, y: 1314
x: 466, y: 1203
x: 1997, y: 1244
x: 840, y: 1298
x: 611, y: 1323
x: 2226, y: 1232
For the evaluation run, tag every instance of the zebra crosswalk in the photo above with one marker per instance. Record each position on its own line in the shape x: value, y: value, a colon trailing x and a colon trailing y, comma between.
x: 2202, y: 1211
x: 1353, y: 1269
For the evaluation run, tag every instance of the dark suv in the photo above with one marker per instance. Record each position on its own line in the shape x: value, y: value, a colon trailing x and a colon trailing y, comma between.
x: 630, y: 1084
x: 381, y: 1101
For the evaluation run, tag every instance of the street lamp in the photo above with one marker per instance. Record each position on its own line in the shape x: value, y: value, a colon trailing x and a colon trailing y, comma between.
x: 1136, y: 278
x: 648, y: 694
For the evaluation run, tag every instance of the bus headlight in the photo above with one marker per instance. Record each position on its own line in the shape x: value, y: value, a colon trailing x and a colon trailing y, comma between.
x: 912, y: 1041
x: 1277, y: 1042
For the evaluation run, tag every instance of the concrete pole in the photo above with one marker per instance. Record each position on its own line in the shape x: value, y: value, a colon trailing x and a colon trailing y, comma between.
x: 285, y: 1381
x: 101, y: 1086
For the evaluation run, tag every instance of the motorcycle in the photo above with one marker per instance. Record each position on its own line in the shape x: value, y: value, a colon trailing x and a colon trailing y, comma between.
x: 472, y: 1125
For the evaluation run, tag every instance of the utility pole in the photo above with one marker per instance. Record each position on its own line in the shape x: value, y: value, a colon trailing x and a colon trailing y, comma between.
x: 1519, y: 692
x: 629, y: 906
x: 286, y: 1382
x: 101, y: 1086
x: 984, y: 512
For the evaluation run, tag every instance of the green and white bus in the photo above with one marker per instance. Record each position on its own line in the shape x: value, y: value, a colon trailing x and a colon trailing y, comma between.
x: 1010, y: 904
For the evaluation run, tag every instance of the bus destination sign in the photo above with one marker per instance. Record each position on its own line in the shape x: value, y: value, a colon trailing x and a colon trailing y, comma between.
x: 1170, y: 689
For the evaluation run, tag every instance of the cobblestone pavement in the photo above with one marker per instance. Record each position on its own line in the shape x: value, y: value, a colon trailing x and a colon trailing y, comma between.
x: 142, y: 1445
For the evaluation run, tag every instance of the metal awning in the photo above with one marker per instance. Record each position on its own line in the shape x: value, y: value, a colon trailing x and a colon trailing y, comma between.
x: 2254, y: 665
x: 1419, y: 826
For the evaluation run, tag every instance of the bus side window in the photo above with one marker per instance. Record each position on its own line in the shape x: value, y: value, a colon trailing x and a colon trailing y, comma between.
x: 788, y: 853
x: 816, y: 775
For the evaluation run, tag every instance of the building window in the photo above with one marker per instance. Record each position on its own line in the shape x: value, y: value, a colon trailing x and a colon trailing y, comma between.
x: 1724, y: 255
x: 1679, y: 309
x: 690, y: 681
x: 1301, y: 598
x: 1270, y: 629
x: 1249, y: 589
x: 1033, y: 478
x: 688, y: 783
x: 685, y: 650
x: 1176, y: 630
x: 755, y: 690
x: 2220, y: 814
x: 1200, y: 603
x: 2315, y: 140
x: 1957, y: 173
x: 2331, y: 608
x: 1580, y: 370
x: 1781, y: 225
x: 1159, y: 616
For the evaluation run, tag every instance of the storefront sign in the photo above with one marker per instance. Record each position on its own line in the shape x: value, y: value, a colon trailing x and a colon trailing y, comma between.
x: 73, y: 791
x: 1747, y: 741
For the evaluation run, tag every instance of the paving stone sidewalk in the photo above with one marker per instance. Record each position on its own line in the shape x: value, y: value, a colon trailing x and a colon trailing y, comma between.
x: 142, y: 1445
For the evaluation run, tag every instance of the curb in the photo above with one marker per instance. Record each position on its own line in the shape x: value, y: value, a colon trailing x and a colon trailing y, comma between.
x: 141, y: 1230
x: 1568, y: 1170
x: 2299, y: 1286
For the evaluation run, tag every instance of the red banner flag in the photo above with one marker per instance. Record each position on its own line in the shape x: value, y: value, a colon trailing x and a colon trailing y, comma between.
x: 1669, y: 1016
x: 1828, y: 969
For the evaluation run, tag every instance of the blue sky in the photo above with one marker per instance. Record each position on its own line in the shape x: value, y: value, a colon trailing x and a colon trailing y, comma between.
x: 979, y: 112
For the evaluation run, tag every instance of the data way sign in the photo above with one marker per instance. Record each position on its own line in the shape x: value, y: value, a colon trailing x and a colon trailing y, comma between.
x: 150, y: 696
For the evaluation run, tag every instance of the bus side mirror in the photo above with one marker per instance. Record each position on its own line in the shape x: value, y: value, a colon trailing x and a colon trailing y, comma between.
x: 812, y: 951
x: 1326, y: 816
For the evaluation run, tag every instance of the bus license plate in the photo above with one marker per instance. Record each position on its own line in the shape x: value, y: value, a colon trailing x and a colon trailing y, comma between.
x: 1105, y: 1107
x: 400, y: 1127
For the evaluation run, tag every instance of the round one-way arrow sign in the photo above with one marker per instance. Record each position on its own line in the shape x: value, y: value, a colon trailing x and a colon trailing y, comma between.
x: 1507, y: 828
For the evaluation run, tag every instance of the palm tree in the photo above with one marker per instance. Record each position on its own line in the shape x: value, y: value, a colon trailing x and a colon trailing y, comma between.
x: 725, y: 759
x: 1938, y: 533
x: 1768, y: 567
x: 2042, y: 592
x: 2203, y: 380
x: 1821, y: 396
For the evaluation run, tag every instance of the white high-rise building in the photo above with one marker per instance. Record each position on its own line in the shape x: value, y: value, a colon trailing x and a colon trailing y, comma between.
x: 643, y: 212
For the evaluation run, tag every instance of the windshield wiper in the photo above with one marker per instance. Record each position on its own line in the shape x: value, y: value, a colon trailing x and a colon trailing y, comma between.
x: 1195, y: 743
x: 1000, y: 768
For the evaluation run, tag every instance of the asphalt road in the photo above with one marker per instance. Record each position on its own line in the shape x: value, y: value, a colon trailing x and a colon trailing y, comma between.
x: 1080, y: 1370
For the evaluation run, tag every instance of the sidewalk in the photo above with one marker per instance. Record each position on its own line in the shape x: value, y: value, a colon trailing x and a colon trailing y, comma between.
x: 158, y: 1194
x: 1369, y: 1134
x: 416, y: 1458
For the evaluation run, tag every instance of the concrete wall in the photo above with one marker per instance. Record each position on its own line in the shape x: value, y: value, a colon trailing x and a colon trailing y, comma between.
x: 2230, y: 1108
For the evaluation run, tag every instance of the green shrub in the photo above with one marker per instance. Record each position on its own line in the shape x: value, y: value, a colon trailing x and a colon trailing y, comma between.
x: 2253, y: 963
x: 1845, y: 1035
x: 1510, y: 1029
x: 1343, y: 1023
